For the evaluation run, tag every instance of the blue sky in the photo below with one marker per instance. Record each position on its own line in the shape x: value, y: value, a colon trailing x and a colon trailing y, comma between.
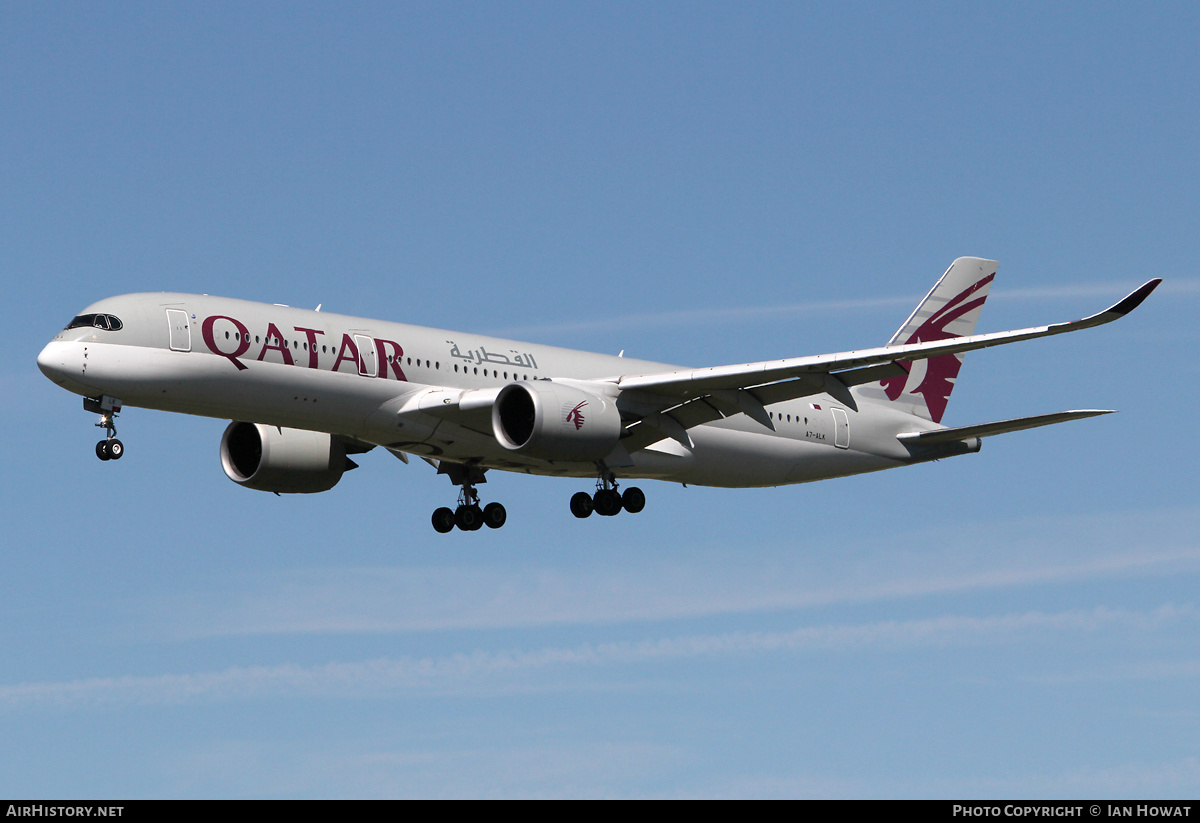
x: 692, y: 183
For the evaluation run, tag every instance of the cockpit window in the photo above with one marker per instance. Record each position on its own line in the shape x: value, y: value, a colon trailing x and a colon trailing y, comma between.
x: 108, y: 322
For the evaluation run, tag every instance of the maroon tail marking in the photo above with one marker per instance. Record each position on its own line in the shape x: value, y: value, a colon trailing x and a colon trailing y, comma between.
x: 940, y: 371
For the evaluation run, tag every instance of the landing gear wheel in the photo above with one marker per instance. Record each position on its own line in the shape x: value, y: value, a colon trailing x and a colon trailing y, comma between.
x: 494, y: 515
x: 443, y: 520
x: 581, y: 504
x: 607, y: 502
x: 633, y: 500
x: 115, y: 449
x: 469, y: 518
x: 102, y: 450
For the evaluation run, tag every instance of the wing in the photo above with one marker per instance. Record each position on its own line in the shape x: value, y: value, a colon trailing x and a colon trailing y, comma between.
x: 667, y: 404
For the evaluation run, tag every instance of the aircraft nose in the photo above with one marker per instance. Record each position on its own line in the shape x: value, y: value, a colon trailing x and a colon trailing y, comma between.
x: 53, y: 362
x: 65, y: 363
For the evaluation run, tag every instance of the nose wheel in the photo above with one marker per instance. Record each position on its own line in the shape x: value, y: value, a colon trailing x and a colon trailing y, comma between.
x: 110, y: 448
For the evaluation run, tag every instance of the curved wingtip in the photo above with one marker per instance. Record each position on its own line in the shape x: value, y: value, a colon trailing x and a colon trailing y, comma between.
x: 1122, y: 307
x: 1135, y: 297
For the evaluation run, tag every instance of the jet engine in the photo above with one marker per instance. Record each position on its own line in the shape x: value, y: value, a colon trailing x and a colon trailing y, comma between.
x: 555, y: 422
x: 271, y: 459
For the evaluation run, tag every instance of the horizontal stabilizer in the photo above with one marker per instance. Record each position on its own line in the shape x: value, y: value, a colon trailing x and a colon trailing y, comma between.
x: 999, y: 427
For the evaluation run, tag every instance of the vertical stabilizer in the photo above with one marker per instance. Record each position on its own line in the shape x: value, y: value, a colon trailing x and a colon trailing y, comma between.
x: 951, y: 309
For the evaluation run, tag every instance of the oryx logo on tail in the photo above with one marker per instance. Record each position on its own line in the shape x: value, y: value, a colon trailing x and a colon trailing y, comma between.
x: 950, y: 310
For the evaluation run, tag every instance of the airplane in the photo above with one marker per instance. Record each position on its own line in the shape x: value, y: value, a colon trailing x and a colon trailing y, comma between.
x: 307, y: 389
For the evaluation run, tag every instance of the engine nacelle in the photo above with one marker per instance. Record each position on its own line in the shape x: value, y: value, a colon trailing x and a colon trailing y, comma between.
x: 555, y: 422
x: 293, y: 461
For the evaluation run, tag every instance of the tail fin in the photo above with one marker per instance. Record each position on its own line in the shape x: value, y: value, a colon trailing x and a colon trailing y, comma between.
x: 951, y: 309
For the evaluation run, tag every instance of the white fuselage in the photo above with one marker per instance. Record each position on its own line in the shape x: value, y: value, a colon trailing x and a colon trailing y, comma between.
x: 381, y: 383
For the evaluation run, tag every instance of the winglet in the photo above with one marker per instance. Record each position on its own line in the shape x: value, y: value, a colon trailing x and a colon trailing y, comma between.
x: 1125, y: 305
x: 1136, y: 297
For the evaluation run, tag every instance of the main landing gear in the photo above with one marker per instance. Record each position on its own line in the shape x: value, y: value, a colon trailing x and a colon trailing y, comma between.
x: 607, y: 501
x: 110, y: 448
x: 468, y: 516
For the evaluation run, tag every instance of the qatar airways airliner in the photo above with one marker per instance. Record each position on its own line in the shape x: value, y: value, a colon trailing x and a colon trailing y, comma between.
x: 307, y: 389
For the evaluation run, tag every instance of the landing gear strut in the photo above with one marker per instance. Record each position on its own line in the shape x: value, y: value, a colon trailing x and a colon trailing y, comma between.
x: 468, y: 516
x: 110, y: 448
x: 608, y: 500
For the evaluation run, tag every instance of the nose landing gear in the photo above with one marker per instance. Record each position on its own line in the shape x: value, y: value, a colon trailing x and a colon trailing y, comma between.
x: 110, y: 448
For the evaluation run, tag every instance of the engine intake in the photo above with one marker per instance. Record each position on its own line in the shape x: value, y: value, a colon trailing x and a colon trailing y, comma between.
x: 555, y: 422
x: 286, y: 461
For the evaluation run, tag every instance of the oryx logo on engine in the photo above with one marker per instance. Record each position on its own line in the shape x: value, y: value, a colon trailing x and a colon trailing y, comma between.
x: 575, y: 415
